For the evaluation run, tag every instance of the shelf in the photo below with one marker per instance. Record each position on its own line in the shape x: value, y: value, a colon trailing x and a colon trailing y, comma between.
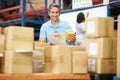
x: 40, y: 76
x: 27, y: 13
x: 11, y: 8
x: 11, y: 22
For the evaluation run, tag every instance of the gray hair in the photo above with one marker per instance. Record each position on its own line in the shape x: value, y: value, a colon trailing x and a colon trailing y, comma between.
x: 53, y: 5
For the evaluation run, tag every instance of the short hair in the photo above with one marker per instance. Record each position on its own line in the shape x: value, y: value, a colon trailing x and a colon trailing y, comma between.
x: 53, y: 5
x: 80, y: 17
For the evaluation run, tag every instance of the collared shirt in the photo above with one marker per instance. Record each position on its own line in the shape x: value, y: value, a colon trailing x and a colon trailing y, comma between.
x: 48, y: 28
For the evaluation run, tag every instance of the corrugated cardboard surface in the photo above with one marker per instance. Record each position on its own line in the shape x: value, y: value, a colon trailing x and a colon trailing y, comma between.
x: 99, y: 27
x: 78, y: 48
x: 102, y: 66
x: 58, y: 59
x: 38, y: 60
x: 17, y: 62
x: 114, y: 47
x: 79, y: 61
x: 18, y: 37
x: 100, y: 48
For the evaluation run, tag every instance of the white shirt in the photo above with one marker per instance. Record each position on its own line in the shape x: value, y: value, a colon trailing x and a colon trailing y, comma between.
x: 80, y: 34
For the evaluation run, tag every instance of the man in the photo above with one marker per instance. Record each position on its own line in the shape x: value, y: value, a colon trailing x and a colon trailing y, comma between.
x: 54, y: 24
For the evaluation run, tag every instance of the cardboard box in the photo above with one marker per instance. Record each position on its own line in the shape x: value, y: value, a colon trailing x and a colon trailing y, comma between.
x: 110, y: 27
x: 78, y: 48
x: 19, y: 38
x: 100, y: 48
x: 69, y: 35
x: 79, y: 62
x: 38, y: 60
x: 118, y: 49
x: 114, y: 47
x: 102, y: 66
x: 58, y: 59
x: 2, y: 43
x: 99, y: 27
x: 17, y: 62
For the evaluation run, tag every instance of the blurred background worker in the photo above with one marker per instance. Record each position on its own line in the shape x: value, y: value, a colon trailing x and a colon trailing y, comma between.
x: 80, y: 29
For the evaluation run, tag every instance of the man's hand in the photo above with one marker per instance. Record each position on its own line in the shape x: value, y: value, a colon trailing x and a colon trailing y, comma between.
x: 74, y: 38
x: 42, y: 40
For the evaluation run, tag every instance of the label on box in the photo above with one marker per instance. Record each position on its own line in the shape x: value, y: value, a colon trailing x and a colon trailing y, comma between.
x: 91, y: 65
x: 91, y: 27
x: 93, y: 48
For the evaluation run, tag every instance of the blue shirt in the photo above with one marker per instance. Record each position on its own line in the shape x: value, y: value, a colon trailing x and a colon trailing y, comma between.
x: 48, y: 28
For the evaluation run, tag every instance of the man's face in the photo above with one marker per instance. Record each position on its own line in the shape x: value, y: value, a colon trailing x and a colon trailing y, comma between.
x: 54, y: 13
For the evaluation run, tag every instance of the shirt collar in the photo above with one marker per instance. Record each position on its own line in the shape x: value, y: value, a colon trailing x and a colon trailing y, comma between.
x: 51, y: 25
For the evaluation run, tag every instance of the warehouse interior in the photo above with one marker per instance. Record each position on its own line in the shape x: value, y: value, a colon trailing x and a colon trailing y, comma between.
x: 23, y: 57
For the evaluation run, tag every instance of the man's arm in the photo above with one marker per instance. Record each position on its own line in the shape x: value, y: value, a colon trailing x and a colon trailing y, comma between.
x: 42, y: 36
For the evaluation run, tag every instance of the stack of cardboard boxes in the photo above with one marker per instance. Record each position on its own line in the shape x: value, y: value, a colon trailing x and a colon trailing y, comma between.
x: 18, y: 49
x: 65, y: 59
x: 79, y: 60
x: 61, y: 59
x: 101, y: 45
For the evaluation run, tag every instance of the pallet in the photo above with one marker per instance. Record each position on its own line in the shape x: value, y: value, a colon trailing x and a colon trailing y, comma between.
x: 116, y: 78
x: 43, y: 76
x: 95, y: 76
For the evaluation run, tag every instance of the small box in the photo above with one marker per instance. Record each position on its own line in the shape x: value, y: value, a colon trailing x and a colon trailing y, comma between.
x: 58, y: 59
x: 102, y: 66
x: 38, y: 59
x: 69, y: 35
x: 100, y: 48
x: 17, y: 62
x: 19, y: 38
x: 79, y: 61
x: 99, y: 27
